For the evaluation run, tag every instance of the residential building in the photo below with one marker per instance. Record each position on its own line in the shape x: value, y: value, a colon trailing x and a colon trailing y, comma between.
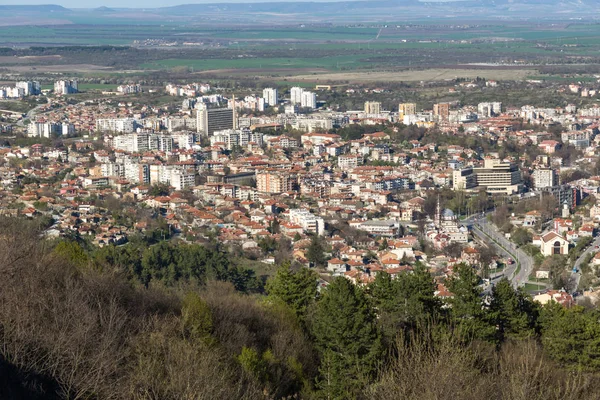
x: 308, y: 221
x: 215, y: 119
x: 308, y: 100
x: 65, y: 87
x: 271, y: 97
x: 296, y: 95
x: 372, y: 107
x: 407, y: 109
x: 441, y: 111
x: 489, y: 109
x: 118, y: 125
x: 275, y: 182
x: 544, y: 177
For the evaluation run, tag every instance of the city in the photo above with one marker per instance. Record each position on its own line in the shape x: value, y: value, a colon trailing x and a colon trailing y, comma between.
x: 248, y: 233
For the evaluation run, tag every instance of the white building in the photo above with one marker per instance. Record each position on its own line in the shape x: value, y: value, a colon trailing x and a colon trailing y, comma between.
x: 120, y: 125
x: 49, y: 129
x: 270, y: 95
x: 65, y: 87
x: 489, y: 109
x: 129, y: 89
x: 544, y: 177
x: 308, y: 100
x: 30, y: 88
x: 236, y: 137
x: 308, y: 221
x: 296, y: 95
x: 182, y: 179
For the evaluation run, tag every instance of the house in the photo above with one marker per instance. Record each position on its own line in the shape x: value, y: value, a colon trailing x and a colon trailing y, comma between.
x: 552, y: 243
x: 470, y: 255
x: 560, y: 296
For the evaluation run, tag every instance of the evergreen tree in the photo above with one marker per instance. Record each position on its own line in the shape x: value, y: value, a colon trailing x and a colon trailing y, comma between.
x: 467, y: 309
x: 512, y: 311
x: 316, y: 252
x: 405, y: 301
x: 297, y: 289
x: 571, y: 336
x: 345, y: 332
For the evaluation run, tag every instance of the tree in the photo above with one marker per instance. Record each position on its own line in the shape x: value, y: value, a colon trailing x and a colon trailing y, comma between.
x: 406, y: 301
x: 467, y: 310
x: 571, y: 336
x: 197, y: 321
x: 297, y: 289
x: 521, y: 236
x: 160, y: 189
x: 316, y: 252
x: 344, y: 327
x: 513, y: 312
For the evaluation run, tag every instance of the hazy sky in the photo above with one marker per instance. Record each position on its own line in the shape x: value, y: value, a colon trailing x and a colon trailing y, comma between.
x: 129, y: 3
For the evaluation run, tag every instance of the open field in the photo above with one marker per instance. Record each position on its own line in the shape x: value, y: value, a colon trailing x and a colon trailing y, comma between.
x: 434, y: 74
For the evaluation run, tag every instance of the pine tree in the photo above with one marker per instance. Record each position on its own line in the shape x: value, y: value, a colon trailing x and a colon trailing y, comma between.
x: 404, y: 301
x: 513, y: 312
x: 345, y: 332
x: 296, y: 289
x: 467, y: 309
x: 316, y: 252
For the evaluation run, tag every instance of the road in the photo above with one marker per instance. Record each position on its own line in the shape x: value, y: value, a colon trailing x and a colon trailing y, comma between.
x: 573, y: 284
x: 486, y: 230
x: 30, y: 114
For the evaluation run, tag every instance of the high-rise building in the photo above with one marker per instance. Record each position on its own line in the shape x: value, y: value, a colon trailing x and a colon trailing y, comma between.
x: 65, y: 87
x: 296, y: 95
x: 407, y: 109
x: 30, y: 88
x: 210, y: 120
x: 309, y: 100
x: 544, y: 177
x: 120, y: 125
x: 441, y: 111
x: 275, y: 182
x: 270, y: 95
x: 489, y: 109
x: 495, y: 177
x: 372, y: 107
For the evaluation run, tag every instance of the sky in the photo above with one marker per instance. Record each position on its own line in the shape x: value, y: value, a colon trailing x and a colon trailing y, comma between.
x: 129, y: 3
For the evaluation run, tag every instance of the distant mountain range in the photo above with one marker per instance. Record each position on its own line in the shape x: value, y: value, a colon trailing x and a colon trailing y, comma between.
x: 392, y: 9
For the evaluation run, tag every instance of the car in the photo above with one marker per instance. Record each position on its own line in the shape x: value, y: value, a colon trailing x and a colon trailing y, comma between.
x: 597, y: 247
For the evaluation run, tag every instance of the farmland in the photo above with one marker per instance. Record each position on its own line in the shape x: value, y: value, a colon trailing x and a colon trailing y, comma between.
x: 366, y: 52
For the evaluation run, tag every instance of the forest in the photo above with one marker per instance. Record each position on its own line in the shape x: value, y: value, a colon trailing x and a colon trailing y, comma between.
x: 170, y: 320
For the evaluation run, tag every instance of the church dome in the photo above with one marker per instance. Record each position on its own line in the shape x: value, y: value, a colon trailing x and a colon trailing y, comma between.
x: 447, y: 213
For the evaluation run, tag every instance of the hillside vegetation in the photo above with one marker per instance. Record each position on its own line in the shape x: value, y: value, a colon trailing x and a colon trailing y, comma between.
x: 180, y: 322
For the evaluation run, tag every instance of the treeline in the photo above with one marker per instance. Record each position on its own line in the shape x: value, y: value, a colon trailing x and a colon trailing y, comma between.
x: 79, y: 323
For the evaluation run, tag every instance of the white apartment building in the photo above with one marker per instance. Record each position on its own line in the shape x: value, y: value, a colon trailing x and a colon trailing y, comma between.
x: 49, y: 129
x: 349, y: 161
x: 309, y: 222
x: 129, y: 89
x: 489, y: 109
x: 544, y: 177
x: 296, y: 95
x: 270, y: 95
x: 30, y: 88
x: 308, y: 100
x: 236, y: 137
x: 119, y: 125
x: 180, y: 179
x: 65, y: 87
